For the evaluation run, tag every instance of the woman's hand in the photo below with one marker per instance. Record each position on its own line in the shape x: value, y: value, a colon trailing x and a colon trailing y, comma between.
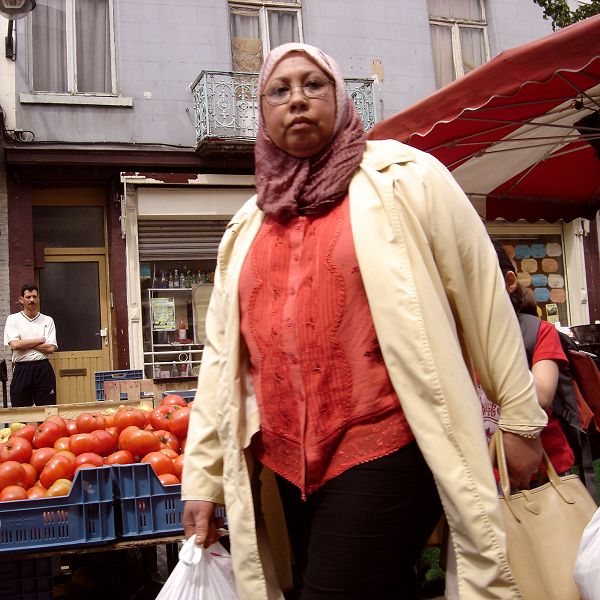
x: 199, y: 519
x: 523, y: 457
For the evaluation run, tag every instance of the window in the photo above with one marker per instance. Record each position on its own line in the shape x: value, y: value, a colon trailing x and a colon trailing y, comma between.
x: 256, y: 27
x: 72, y: 45
x: 458, y: 36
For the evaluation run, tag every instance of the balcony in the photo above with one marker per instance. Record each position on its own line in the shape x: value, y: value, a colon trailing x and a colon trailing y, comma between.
x: 226, y: 109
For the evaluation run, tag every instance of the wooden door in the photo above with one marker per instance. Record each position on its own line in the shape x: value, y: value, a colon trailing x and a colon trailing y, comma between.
x: 73, y: 292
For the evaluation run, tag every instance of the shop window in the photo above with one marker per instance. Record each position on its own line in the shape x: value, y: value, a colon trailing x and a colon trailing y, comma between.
x: 257, y: 27
x: 539, y: 262
x: 177, y: 266
x: 72, y: 47
x: 458, y: 37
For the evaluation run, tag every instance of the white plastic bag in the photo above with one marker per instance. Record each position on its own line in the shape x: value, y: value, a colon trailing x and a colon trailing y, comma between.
x: 200, y: 574
x: 587, y: 564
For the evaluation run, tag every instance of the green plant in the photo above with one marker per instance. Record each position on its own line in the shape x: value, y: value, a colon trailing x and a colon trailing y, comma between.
x: 561, y: 14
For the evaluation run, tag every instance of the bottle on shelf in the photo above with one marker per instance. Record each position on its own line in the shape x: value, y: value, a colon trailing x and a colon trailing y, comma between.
x: 174, y: 371
x: 182, y: 327
x: 182, y: 280
x: 164, y: 281
x: 176, y: 279
x: 171, y: 282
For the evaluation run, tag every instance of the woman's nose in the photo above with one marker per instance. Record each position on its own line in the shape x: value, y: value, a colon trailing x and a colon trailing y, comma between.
x: 297, y: 95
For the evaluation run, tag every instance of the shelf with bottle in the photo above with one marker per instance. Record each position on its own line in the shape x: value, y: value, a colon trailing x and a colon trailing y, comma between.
x: 181, y: 279
x: 173, y: 369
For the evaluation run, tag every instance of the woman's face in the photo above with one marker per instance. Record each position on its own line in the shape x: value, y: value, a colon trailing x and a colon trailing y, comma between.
x: 302, y: 126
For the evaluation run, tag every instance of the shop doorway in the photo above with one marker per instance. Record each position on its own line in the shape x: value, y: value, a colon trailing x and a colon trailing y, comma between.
x: 73, y: 292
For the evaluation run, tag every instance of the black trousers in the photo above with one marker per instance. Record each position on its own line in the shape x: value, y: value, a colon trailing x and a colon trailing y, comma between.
x: 33, y: 383
x: 361, y: 535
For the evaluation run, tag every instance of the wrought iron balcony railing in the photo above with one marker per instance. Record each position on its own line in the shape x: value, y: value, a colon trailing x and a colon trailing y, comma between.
x: 226, y: 107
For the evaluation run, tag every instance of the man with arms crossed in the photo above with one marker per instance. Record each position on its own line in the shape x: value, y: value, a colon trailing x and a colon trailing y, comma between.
x: 32, y: 338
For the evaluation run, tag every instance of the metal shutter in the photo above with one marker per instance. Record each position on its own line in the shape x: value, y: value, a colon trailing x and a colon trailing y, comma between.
x: 180, y: 240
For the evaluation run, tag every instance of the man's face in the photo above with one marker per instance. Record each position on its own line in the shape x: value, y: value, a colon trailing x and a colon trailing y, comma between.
x: 30, y: 300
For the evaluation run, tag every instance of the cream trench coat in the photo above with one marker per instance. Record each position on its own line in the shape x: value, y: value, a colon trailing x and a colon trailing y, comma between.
x: 440, y: 310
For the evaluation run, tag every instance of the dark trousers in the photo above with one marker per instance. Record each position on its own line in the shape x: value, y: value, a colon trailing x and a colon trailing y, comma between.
x: 361, y: 535
x: 33, y: 383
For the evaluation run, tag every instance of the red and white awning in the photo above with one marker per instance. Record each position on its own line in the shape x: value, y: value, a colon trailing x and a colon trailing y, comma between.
x: 521, y: 134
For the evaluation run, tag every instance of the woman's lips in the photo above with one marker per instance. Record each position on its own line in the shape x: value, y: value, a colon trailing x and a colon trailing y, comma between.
x: 300, y: 123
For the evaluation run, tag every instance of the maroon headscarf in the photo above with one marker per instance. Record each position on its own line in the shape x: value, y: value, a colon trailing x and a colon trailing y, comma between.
x: 289, y: 186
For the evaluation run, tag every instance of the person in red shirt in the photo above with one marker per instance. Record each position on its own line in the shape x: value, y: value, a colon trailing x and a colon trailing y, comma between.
x: 548, y: 357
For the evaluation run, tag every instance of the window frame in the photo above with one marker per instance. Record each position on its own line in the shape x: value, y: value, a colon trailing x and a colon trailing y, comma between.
x: 53, y: 97
x: 455, y: 24
x: 263, y: 18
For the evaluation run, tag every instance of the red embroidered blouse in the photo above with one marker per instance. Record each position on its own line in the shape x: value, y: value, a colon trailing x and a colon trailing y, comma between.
x: 325, y: 398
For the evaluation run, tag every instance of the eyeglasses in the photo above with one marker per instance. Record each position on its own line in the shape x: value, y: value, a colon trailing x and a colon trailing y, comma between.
x: 313, y: 88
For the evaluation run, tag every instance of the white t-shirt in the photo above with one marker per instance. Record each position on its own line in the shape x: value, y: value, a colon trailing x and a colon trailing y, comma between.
x: 20, y: 327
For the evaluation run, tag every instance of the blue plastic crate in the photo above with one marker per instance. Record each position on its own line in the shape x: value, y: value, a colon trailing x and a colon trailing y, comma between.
x: 143, y: 505
x: 85, y: 516
x: 28, y: 578
x: 102, y: 376
x: 187, y: 395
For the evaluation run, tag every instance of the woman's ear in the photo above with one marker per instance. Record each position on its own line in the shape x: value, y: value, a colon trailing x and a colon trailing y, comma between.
x: 511, y: 281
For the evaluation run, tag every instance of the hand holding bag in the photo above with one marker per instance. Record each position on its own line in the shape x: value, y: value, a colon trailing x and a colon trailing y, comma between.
x: 543, y: 528
x: 200, y: 574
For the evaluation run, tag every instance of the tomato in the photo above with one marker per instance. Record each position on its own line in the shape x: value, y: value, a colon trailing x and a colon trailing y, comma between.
x: 178, y: 465
x: 71, y: 426
x: 115, y: 434
x: 167, y: 439
x: 37, y: 491
x: 40, y: 457
x: 46, y: 434
x: 61, y: 487
x: 138, y: 441
x: 168, y: 452
x: 110, y: 420
x: 84, y: 442
x: 183, y: 442
x: 121, y: 457
x: 159, y: 462
x: 12, y: 473
x: 62, y: 425
x: 30, y: 475
x: 18, y: 448
x: 130, y: 416
x: 160, y: 417
x: 58, y: 467
x: 106, y: 442
x: 26, y: 432
x: 173, y: 399
x: 62, y: 443
x: 179, y: 422
x: 13, y: 492
x: 88, y: 422
x: 168, y: 479
x: 91, y: 458
x: 70, y: 455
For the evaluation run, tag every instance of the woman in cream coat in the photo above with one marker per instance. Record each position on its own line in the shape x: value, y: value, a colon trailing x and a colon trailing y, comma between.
x: 440, y: 311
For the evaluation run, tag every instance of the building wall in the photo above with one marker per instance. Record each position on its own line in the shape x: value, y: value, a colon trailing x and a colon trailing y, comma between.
x: 162, y: 47
x: 514, y: 22
x: 7, y: 107
x: 4, y: 271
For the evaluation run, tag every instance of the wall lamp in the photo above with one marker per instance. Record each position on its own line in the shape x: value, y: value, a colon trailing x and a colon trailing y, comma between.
x: 13, y: 10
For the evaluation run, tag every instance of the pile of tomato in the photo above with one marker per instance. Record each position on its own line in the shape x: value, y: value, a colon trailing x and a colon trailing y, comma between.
x: 38, y: 461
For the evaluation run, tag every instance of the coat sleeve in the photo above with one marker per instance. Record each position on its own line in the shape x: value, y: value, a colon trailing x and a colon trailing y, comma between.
x: 203, y: 463
x: 485, y: 319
